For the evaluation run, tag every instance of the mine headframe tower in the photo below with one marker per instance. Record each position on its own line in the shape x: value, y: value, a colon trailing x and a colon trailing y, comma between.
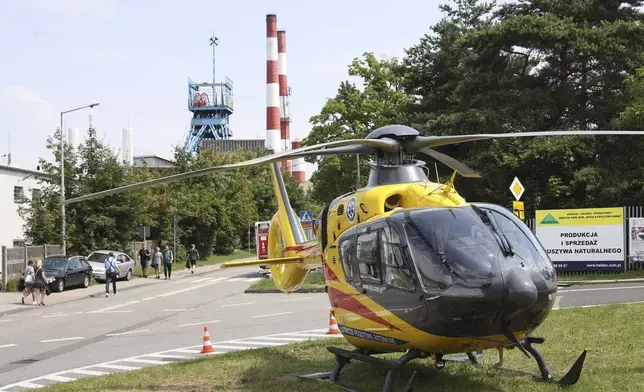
x: 211, y: 105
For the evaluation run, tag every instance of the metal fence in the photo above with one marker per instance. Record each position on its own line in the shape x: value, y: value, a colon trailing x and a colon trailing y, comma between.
x: 14, y: 260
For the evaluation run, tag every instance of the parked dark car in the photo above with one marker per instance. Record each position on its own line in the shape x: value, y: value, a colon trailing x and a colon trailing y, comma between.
x: 67, y: 271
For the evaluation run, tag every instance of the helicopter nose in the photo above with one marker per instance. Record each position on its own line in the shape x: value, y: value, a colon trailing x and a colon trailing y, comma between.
x: 521, y: 290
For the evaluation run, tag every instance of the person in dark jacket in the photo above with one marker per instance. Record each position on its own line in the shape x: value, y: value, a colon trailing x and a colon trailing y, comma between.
x: 193, y: 256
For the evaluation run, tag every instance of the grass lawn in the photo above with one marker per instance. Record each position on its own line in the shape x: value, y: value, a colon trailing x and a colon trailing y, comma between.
x: 613, y: 336
x: 315, y: 280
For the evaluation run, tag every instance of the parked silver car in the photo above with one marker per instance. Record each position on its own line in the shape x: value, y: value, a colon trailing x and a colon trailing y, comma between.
x: 97, y: 261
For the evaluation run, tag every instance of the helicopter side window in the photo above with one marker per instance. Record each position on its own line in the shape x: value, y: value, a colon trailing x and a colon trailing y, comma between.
x: 346, y: 259
x: 367, y: 252
x: 397, y: 273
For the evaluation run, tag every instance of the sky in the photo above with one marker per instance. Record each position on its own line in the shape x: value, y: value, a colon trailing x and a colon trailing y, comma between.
x: 135, y: 58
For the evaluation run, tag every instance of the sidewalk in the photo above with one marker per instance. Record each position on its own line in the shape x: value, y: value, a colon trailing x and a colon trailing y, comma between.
x: 10, y: 302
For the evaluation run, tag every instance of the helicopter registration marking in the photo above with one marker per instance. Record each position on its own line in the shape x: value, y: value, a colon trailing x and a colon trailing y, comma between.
x: 369, y: 335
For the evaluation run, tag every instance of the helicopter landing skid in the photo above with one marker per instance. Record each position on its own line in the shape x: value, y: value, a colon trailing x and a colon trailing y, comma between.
x: 568, y: 379
x: 343, y: 357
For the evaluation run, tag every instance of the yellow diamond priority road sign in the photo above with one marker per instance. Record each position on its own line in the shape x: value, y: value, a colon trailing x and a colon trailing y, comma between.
x: 517, y: 188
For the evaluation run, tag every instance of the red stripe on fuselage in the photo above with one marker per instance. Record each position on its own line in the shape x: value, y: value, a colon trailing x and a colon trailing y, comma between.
x: 347, y: 302
x: 329, y: 274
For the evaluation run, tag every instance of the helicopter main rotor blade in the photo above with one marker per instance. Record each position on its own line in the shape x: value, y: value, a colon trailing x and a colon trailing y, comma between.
x: 421, y: 142
x: 385, y: 144
x: 356, y: 149
x: 458, y: 166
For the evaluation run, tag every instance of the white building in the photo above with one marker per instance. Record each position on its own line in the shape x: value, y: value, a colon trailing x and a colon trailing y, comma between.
x: 15, y: 184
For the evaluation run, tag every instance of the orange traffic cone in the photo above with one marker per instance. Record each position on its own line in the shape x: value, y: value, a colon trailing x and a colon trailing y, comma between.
x: 207, y: 346
x: 333, y: 325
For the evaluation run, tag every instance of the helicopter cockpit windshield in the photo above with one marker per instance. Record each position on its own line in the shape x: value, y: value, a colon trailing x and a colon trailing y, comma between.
x: 467, y: 246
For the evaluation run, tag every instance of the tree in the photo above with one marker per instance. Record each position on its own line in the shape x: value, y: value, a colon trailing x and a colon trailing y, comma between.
x: 353, y: 113
x: 527, y: 65
x: 107, y: 223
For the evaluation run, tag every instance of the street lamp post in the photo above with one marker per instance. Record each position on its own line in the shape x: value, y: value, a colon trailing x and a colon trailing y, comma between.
x: 62, y: 171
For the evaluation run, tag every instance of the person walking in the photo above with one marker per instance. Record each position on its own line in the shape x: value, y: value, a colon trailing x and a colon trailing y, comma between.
x: 168, y: 259
x: 144, y: 257
x: 111, y: 273
x: 30, y: 274
x: 40, y: 283
x: 156, y: 262
x: 193, y: 255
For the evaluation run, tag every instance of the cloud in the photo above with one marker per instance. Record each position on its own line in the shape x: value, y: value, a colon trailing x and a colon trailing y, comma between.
x: 30, y: 99
x: 29, y: 119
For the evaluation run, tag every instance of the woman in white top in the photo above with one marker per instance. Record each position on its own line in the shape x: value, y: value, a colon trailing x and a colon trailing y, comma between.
x: 30, y: 275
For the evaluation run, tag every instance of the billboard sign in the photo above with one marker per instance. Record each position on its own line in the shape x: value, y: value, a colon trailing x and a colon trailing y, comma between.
x: 636, y: 237
x: 261, y: 237
x: 590, y: 239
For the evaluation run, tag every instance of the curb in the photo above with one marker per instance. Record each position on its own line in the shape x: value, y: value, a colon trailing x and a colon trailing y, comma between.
x: 278, y: 291
x: 602, y: 281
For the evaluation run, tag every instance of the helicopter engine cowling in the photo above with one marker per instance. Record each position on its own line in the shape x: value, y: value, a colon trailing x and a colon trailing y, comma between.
x: 287, y: 277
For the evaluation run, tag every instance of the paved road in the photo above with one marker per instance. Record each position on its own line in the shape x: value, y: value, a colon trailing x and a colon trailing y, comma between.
x: 149, y: 319
x: 163, y: 322
x: 594, y: 294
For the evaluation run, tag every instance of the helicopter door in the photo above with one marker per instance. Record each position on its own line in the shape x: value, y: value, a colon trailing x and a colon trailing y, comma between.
x: 370, y: 279
x: 400, y: 296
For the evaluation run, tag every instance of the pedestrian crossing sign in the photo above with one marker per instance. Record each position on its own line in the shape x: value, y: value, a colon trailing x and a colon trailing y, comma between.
x: 306, y: 216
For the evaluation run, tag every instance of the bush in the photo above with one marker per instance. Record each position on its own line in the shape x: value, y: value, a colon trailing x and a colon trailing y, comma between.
x: 12, y: 284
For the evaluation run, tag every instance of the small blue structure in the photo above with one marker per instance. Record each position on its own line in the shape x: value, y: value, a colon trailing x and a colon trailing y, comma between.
x: 211, y: 105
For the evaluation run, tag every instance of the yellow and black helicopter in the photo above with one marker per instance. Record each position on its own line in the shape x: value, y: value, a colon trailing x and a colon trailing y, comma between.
x: 409, y: 265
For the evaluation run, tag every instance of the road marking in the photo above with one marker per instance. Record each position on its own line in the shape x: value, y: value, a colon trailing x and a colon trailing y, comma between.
x: 295, y: 299
x: 272, y: 314
x: 175, y: 310
x: 127, y: 333
x: 118, y: 367
x: 205, y: 322
x: 169, y: 356
x: 318, y: 335
x: 200, y: 280
x: 8, y: 345
x: 133, y: 302
x: 234, y: 279
x: 55, y: 315
x: 87, y: 372
x: 556, y: 304
x: 91, y: 369
x: 5, y: 321
x: 148, y: 299
x: 241, y: 304
x: 597, y: 305
x: 190, y: 288
x: 253, y: 279
x: 603, y: 289
x: 60, y: 340
x: 255, y: 343
x: 152, y: 361
x: 59, y: 378
x: 117, y: 311
x: 287, y: 339
x: 26, y: 384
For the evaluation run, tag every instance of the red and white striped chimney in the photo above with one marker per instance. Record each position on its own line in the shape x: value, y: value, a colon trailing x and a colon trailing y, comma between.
x: 298, y: 168
x: 285, y: 112
x: 272, y: 86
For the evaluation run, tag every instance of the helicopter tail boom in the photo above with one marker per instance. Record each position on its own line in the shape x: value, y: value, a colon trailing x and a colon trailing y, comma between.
x: 246, y: 263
